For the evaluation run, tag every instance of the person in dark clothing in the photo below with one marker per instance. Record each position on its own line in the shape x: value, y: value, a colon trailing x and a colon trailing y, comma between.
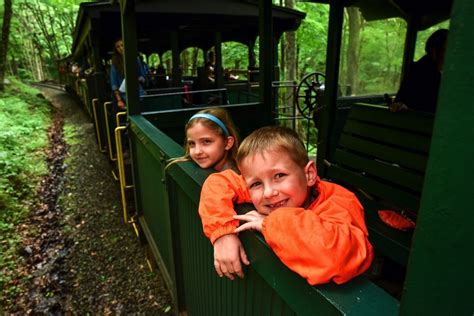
x: 419, y: 89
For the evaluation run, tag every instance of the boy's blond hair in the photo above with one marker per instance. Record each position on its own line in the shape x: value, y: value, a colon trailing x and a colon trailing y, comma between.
x: 273, y: 138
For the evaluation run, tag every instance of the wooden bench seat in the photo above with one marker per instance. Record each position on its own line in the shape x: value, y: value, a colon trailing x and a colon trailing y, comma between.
x: 382, y: 157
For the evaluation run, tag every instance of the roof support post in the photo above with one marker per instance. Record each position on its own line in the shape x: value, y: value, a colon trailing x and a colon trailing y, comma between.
x: 266, y: 63
x: 129, y: 33
x: 176, y: 71
x: 219, y: 75
x: 251, y: 55
x: 95, y: 43
x: 276, y: 76
x: 328, y: 114
x: 410, y: 45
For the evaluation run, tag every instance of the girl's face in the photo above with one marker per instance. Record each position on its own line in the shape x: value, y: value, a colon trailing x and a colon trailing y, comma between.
x: 207, y: 148
x: 119, y: 47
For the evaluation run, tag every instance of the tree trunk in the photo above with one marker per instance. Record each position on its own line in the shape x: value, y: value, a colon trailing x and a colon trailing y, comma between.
x: 185, y: 62
x: 353, y: 49
x: 7, y: 16
x: 13, y: 66
x: 195, y: 61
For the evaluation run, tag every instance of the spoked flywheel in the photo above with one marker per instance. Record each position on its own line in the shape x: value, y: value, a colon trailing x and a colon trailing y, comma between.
x: 309, y: 94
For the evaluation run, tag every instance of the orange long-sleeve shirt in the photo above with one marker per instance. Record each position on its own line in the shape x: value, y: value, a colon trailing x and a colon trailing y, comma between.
x: 326, y: 242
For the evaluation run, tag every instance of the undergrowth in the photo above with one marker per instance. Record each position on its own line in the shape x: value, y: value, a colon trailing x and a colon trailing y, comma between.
x: 24, y: 119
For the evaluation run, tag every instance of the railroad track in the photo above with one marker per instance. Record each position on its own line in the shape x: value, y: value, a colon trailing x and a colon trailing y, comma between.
x: 49, y: 85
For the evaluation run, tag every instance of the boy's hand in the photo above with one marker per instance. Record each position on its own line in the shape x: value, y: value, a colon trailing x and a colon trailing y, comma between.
x: 254, y: 221
x: 228, y: 252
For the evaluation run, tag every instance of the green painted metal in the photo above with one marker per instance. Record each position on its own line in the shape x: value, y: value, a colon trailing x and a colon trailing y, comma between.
x: 152, y: 199
x: 129, y: 34
x: 440, y: 278
x: 241, y: 93
x: 328, y: 114
x: 386, y: 172
x: 375, y: 187
x: 408, y: 159
x: 416, y: 123
x: 267, y: 61
x: 160, y: 103
x: 399, y: 138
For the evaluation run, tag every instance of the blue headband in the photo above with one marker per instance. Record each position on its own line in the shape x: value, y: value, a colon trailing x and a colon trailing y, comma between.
x: 211, y: 118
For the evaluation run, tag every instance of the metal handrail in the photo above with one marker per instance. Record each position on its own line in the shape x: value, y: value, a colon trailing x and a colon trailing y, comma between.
x: 109, y: 142
x: 120, y: 164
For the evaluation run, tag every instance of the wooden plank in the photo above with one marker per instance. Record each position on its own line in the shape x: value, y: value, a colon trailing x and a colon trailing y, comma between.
x: 385, y: 171
x: 390, y: 154
x: 376, y: 188
x: 411, y: 121
x: 389, y: 135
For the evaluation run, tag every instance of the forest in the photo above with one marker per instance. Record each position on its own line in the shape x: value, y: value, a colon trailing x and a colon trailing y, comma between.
x: 40, y: 34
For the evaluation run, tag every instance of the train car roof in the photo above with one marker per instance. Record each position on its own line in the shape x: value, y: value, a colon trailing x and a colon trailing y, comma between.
x: 426, y: 12
x: 193, y: 20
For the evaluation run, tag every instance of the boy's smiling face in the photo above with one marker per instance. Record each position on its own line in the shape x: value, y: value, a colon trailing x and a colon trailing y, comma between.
x: 274, y: 180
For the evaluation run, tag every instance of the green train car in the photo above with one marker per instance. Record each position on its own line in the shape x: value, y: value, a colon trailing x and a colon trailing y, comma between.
x: 417, y: 162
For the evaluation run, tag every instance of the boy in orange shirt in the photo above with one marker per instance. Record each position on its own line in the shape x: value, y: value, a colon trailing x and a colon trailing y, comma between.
x: 315, y: 227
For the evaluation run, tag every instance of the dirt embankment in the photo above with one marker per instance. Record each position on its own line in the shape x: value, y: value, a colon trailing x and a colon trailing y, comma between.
x: 80, y: 255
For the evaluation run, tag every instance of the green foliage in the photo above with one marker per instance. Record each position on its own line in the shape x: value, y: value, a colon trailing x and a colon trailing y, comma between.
x: 24, y: 118
x: 312, y: 38
x: 41, y: 33
x: 381, y: 56
x: 423, y: 36
x: 234, y: 55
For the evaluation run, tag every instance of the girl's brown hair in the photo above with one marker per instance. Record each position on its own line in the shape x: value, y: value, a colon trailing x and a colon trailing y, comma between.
x: 225, y: 118
x: 117, y: 59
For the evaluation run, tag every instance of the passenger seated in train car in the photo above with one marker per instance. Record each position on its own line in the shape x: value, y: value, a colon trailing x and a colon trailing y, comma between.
x: 210, y: 67
x: 419, y: 90
x: 145, y: 70
x: 208, y: 75
x: 117, y: 75
x: 229, y: 76
x: 161, y: 78
x: 211, y: 60
x: 211, y: 140
x: 315, y: 227
x: 76, y: 69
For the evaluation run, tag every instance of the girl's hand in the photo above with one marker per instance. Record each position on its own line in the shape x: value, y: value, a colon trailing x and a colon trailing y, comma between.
x: 228, y: 253
x: 254, y: 221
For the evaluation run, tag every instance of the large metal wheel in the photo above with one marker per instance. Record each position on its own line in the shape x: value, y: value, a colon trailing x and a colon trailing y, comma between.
x: 309, y: 94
